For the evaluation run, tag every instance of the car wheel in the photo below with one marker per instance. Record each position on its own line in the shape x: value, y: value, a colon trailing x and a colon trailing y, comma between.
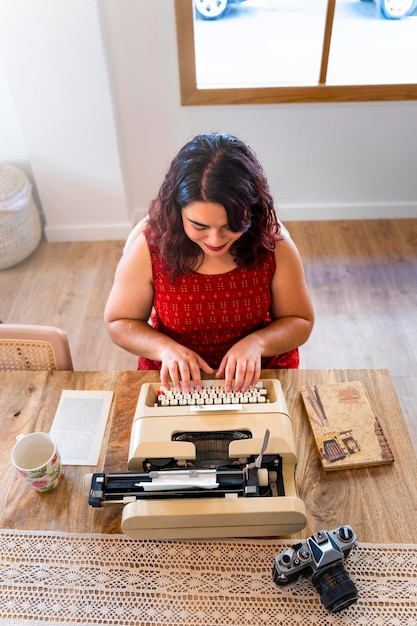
x: 396, y: 9
x: 211, y: 9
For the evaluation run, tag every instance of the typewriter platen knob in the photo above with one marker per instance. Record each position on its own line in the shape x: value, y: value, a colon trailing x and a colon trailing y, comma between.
x: 263, y: 477
x: 87, y: 480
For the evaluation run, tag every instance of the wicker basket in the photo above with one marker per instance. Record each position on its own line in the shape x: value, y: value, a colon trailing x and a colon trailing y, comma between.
x: 20, y: 226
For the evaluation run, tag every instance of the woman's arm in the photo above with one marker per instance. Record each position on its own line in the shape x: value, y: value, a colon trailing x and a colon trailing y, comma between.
x: 126, y: 316
x: 292, y: 315
x: 291, y: 307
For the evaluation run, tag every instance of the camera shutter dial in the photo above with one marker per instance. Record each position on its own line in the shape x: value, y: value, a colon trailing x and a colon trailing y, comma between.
x: 303, y: 553
x: 345, y: 534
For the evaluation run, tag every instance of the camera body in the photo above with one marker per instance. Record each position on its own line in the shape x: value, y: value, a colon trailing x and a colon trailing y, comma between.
x: 321, y: 558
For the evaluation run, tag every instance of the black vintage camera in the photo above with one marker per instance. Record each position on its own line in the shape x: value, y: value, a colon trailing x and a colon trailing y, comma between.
x: 321, y: 558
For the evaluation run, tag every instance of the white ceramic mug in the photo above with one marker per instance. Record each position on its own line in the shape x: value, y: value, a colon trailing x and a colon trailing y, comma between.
x: 37, y: 461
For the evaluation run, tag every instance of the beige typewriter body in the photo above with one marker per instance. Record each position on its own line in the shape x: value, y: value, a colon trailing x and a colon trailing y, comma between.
x: 153, y: 432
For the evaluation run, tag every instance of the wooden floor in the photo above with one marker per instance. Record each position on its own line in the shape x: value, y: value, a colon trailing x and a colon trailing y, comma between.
x: 362, y: 276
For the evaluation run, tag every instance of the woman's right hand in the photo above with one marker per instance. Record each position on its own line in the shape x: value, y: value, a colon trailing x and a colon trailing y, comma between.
x: 182, y: 366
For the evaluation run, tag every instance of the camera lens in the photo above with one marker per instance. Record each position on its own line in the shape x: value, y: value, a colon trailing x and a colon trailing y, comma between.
x: 336, y: 589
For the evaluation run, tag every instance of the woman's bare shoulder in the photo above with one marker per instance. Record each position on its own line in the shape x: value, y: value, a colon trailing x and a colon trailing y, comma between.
x: 136, y: 259
x: 285, y: 248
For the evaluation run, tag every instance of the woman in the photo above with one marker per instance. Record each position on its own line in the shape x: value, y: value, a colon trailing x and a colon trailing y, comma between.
x: 223, y: 278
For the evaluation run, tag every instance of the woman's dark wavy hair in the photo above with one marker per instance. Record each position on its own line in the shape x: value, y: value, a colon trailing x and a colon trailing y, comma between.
x: 216, y: 168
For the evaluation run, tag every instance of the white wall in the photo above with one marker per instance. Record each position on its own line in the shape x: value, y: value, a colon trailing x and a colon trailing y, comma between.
x: 55, y: 64
x: 12, y: 145
x: 96, y: 93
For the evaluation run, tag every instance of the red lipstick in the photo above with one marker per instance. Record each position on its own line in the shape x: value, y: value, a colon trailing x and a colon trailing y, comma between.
x: 215, y: 248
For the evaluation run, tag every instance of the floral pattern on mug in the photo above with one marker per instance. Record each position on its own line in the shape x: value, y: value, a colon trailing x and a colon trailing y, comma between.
x: 41, y: 483
x: 22, y: 473
x: 50, y: 477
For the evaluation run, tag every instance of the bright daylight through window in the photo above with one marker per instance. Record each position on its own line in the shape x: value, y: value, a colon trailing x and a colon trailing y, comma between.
x: 237, y: 51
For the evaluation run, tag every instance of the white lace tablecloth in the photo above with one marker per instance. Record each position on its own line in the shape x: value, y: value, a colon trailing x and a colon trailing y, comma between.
x: 59, y: 578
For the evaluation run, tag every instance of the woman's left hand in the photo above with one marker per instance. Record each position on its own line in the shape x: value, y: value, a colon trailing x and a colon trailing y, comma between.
x: 241, y: 365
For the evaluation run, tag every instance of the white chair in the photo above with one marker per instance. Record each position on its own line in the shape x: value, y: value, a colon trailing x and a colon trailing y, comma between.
x: 32, y: 347
x: 135, y: 232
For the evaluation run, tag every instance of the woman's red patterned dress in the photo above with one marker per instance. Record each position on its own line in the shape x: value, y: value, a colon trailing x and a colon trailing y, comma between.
x: 209, y: 313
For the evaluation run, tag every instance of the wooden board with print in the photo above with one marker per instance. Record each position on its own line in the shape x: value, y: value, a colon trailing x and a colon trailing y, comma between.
x: 346, y: 430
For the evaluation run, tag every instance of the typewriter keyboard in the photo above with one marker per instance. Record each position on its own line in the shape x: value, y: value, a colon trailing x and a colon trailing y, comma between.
x: 212, y: 396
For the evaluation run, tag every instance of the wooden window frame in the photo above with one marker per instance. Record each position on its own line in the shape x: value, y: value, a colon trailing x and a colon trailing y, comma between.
x: 191, y: 95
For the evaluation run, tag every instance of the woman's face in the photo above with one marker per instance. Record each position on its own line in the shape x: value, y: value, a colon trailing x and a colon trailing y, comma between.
x: 205, y: 223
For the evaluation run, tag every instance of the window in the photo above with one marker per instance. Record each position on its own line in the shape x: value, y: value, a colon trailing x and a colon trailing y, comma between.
x: 300, y: 51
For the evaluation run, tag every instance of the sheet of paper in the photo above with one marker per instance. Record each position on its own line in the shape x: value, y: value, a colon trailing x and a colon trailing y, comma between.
x: 79, y: 425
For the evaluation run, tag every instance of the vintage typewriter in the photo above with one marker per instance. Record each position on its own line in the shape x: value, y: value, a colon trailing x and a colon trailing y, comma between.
x: 207, y: 464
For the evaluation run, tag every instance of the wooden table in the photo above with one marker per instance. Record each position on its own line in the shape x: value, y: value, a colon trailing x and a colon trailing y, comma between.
x: 379, y: 502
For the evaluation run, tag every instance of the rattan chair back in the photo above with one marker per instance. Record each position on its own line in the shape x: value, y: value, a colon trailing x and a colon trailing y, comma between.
x: 32, y: 347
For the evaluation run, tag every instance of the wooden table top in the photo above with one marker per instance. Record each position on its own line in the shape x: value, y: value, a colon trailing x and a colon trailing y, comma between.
x: 379, y: 502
